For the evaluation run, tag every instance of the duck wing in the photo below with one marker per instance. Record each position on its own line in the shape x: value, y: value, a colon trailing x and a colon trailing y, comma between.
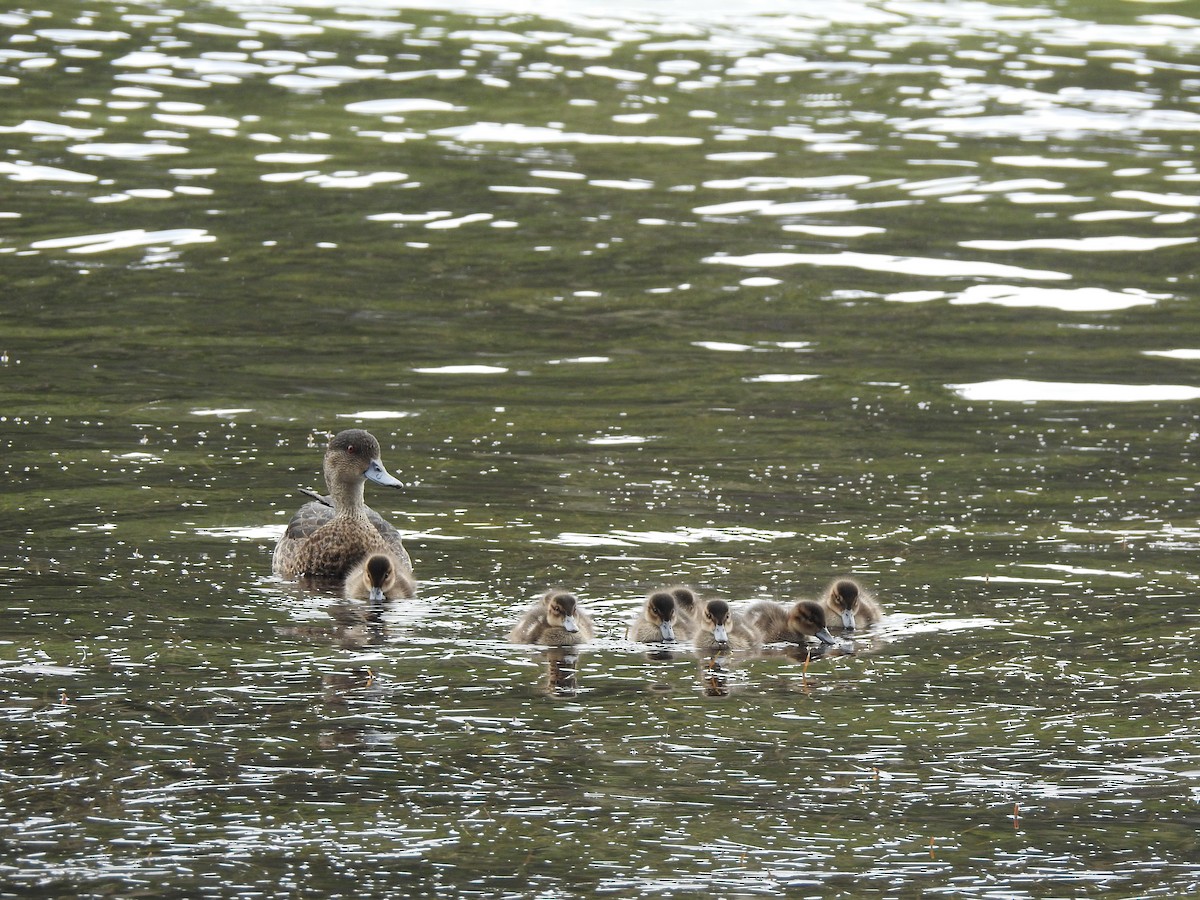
x: 319, y: 511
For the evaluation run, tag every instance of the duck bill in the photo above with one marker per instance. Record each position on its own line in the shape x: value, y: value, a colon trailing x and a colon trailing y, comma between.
x: 825, y: 637
x: 378, y: 474
x: 569, y: 625
x: 376, y: 595
x: 667, y: 630
x: 848, y: 620
x: 720, y: 635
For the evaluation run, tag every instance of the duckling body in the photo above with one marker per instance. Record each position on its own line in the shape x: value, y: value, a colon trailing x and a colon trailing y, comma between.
x: 656, y: 620
x: 794, y: 624
x: 326, y: 538
x: 848, y: 606
x: 377, y: 578
x: 557, y: 620
x: 717, y: 628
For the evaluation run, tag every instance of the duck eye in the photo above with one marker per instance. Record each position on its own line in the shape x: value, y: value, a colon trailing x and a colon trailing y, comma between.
x: 351, y: 449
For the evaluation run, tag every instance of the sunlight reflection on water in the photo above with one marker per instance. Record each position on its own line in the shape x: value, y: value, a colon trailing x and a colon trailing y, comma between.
x: 526, y: 230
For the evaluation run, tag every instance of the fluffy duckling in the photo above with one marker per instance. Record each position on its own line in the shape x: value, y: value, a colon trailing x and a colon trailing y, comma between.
x: 687, y: 609
x: 377, y: 578
x: 557, y: 620
x: 656, y: 621
x: 795, y: 624
x: 325, y: 538
x: 848, y: 605
x: 718, y: 629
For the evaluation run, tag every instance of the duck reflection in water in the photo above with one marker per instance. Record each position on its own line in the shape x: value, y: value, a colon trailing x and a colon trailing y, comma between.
x: 557, y: 620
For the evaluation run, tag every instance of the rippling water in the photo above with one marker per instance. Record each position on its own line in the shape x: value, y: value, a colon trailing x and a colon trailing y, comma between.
x: 747, y: 297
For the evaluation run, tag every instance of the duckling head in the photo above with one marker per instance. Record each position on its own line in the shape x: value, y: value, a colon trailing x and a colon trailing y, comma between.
x: 353, y: 455
x: 685, y: 599
x: 380, y: 576
x: 560, y: 610
x: 660, y: 610
x: 844, y: 597
x: 808, y: 618
x: 716, y: 620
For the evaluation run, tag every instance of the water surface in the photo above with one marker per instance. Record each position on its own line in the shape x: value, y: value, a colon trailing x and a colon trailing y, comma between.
x: 746, y: 298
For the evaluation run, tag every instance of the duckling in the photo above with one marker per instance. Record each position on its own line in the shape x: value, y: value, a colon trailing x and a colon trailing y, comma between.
x: 795, y: 624
x: 848, y: 604
x: 688, y: 607
x: 656, y: 621
x: 325, y: 538
x: 557, y: 620
x: 718, y: 629
x: 378, y: 578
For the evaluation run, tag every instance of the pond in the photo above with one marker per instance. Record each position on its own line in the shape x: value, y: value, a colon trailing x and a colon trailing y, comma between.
x: 747, y: 298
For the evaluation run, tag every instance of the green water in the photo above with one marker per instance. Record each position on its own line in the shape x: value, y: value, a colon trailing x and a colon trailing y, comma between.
x: 743, y: 297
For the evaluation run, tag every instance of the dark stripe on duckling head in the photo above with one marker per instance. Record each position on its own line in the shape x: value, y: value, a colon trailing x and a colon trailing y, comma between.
x: 808, y: 617
x: 561, y: 604
x: 845, y: 594
x: 661, y: 607
x: 379, y: 569
x: 717, y: 611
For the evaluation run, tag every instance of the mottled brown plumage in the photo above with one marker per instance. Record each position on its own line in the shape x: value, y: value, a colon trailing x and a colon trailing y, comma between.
x: 328, y: 536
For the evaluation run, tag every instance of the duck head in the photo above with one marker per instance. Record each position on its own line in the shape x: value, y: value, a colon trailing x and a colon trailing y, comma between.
x: 685, y: 599
x: 353, y: 455
x: 660, y: 611
x: 380, y: 576
x: 844, y: 597
x: 716, y: 619
x: 560, y: 610
x: 808, y: 618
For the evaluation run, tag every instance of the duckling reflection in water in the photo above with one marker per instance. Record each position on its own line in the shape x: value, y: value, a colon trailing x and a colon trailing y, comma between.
x: 378, y: 579
x: 561, y: 669
x: 847, y: 604
x: 777, y: 622
x: 557, y: 620
x: 656, y: 620
x: 717, y: 628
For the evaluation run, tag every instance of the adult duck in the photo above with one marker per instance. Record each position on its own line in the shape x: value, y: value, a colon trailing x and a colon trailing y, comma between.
x: 328, y: 536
